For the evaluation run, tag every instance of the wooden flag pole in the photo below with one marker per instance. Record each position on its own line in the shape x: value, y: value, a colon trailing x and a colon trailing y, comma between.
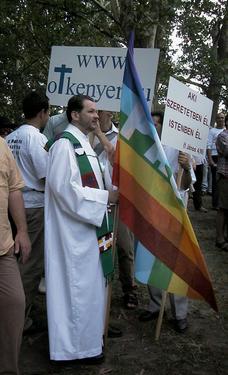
x: 160, y: 316
x: 109, y: 296
x: 164, y: 293
x: 179, y: 177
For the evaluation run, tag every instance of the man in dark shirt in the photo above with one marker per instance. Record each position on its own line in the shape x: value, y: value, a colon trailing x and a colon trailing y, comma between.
x: 222, y: 183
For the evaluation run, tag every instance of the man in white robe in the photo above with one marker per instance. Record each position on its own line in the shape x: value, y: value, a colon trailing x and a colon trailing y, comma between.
x: 76, y: 291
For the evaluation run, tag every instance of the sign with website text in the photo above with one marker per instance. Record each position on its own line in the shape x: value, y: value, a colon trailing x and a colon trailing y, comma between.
x: 186, y: 120
x: 97, y: 72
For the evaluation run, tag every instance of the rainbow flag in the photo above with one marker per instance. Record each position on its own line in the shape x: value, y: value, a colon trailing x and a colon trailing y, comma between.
x: 167, y: 252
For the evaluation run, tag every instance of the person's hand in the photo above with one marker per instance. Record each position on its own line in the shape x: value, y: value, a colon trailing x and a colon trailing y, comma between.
x: 97, y: 131
x: 113, y: 196
x: 212, y: 164
x: 193, y: 164
x: 183, y: 160
x: 22, y: 245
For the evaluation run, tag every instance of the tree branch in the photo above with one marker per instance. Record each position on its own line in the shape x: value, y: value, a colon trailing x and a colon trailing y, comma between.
x: 191, y: 82
x: 100, y: 6
x: 78, y: 15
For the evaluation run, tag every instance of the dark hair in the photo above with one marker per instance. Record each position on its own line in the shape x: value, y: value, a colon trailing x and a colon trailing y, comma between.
x: 158, y: 114
x: 75, y: 103
x: 6, y: 126
x: 6, y: 123
x: 33, y: 103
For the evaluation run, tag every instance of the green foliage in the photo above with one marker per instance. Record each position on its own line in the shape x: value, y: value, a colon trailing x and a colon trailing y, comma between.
x: 30, y: 28
x: 28, y: 31
x: 202, y: 27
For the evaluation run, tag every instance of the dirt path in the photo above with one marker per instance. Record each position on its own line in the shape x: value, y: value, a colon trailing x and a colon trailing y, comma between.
x: 202, y: 350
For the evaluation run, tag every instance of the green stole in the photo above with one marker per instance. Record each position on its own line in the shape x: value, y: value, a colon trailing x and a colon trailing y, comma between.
x: 105, y: 232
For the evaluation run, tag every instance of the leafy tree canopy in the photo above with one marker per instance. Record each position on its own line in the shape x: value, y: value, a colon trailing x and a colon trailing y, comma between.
x: 30, y: 28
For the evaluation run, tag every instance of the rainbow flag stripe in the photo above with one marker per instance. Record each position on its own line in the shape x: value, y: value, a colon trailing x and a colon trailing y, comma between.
x: 167, y: 252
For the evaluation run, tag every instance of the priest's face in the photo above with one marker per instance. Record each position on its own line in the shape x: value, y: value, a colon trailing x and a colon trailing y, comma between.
x: 87, y: 119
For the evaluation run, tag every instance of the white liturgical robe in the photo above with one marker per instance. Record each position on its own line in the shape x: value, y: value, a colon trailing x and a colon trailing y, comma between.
x: 76, y: 292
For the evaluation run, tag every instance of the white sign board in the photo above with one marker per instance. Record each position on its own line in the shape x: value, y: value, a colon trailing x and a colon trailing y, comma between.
x: 97, y: 72
x: 186, y: 119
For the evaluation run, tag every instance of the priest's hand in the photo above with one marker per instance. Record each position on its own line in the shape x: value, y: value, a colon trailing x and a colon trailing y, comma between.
x: 113, y: 196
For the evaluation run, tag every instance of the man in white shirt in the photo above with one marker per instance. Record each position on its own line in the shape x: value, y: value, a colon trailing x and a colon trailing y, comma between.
x: 125, y: 240
x: 27, y: 145
x: 212, y: 155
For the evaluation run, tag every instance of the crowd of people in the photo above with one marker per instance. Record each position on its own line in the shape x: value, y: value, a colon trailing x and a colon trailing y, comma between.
x: 57, y: 204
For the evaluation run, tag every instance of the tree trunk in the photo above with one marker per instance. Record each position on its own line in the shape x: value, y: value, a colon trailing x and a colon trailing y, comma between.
x: 219, y: 75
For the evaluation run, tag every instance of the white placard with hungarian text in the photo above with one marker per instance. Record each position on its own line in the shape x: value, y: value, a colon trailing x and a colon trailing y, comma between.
x: 186, y: 120
x: 97, y: 72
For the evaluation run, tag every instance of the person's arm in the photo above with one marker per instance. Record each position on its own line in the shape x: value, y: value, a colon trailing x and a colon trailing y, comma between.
x: 17, y: 211
x: 209, y: 147
x: 39, y: 156
x: 209, y: 157
x: 183, y: 160
x: 222, y: 145
x: 108, y: 147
